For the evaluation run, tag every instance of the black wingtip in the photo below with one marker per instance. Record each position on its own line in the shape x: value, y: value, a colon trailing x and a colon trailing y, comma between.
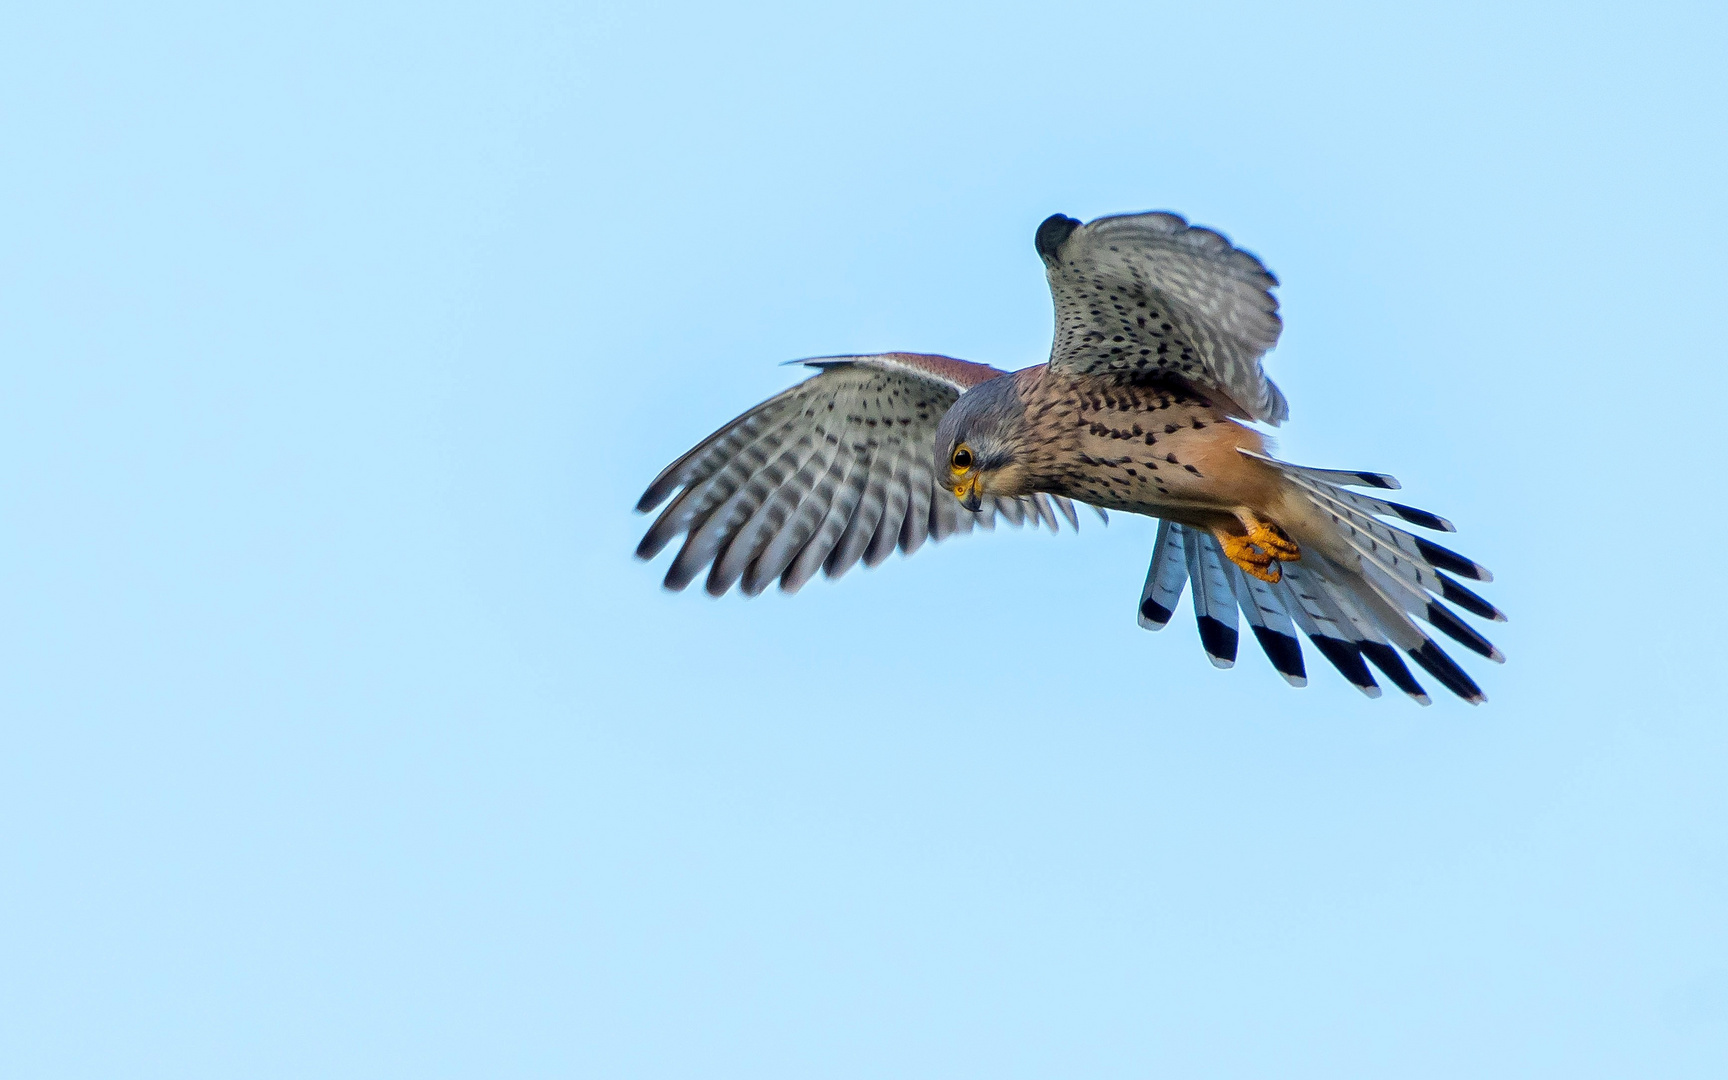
x: 1422, y: 518
x: 1383, y: 657
x: 1447, y: 559
x: 1055, y: 229
x: 1453, y: 627
x: 1284, y: 652
x: 1218, y: 640
x: 1347, y: 658
x: 1442, y: 667
x: 1468, y: 600
x: 1154, y: 614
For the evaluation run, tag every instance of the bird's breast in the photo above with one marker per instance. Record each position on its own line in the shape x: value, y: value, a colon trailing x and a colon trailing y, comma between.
x: 1148, y: 448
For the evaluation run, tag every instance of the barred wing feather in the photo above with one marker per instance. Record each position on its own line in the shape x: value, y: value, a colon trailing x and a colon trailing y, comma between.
x: 1149, y: 294
x: 833, y: 471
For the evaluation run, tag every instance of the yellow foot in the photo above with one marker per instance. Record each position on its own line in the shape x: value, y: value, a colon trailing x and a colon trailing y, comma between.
x: 1260, y: 551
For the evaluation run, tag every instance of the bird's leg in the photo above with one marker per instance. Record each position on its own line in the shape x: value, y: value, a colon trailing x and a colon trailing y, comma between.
x: 1260, y: 549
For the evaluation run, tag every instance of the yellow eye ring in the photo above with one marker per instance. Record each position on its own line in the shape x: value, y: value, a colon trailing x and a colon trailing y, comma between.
x: 962, y: 459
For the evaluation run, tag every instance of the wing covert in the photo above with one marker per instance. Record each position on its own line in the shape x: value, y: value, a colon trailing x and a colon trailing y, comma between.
x: 1149, y: 293
x: 833, y: 471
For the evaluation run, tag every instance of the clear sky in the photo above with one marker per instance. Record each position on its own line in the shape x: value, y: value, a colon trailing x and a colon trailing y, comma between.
x: 343, y: 737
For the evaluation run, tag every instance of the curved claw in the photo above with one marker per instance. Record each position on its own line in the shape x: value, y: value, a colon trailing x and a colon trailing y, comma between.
x: 1259, y: 552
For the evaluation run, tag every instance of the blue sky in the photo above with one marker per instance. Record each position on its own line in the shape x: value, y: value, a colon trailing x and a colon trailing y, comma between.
x: 344, y: 738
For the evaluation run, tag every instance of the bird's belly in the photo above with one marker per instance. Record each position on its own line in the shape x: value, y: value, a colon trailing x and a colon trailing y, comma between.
x: 1185, y: 467
x: 1200, y: 511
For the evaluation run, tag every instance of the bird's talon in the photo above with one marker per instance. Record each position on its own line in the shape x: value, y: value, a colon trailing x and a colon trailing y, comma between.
x: 1271, y: 539
x: 1259, y: 552
x: 1269, y: 573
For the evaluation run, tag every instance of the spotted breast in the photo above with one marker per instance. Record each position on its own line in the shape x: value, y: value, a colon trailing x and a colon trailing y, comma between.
x: 1156, y: 446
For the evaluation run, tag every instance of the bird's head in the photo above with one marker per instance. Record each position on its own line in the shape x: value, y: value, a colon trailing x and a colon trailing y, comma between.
x: 978, y: 444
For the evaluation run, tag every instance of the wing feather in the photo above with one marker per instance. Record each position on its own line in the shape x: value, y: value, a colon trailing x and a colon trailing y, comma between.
x: 836, y: 470
x: 710, y: 482
x: 777, y: 515
x: 1149, y: 294
x: 887, y: 534
x: 814, y: 553
x: 862, y: 525
x: 1067, y: 508
x: 811, y: 510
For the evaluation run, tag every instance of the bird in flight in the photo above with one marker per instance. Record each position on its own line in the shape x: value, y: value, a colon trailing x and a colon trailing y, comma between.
x: 1155, y: 368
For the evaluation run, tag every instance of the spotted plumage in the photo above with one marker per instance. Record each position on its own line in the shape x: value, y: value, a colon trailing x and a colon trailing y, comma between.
x: 1143, y: 407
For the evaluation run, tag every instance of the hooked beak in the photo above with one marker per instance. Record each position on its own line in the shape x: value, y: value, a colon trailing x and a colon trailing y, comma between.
x: 968, y: 494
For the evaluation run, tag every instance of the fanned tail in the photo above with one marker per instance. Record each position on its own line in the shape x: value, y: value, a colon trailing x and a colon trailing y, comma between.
x: 1389, y: 576
x: 1356, y: 594
x: 1303, y: 597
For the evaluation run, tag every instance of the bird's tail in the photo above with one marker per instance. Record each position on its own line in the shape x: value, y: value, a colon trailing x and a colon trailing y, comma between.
x: 1356, y: 591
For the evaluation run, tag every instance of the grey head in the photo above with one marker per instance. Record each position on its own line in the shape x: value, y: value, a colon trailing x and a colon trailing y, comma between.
x: 978, y: 443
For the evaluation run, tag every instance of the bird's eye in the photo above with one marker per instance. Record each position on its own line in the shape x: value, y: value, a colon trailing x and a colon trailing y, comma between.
x: 962, y: 459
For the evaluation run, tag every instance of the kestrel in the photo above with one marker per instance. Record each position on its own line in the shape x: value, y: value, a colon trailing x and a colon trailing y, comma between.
x: 1142, y: 407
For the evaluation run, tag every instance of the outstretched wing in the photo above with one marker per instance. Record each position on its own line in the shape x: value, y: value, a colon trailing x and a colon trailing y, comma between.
x: 1144, y: 293
x: 833, y: 470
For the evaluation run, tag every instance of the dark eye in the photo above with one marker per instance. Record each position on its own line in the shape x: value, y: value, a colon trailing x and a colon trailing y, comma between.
x: 962, y: 459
